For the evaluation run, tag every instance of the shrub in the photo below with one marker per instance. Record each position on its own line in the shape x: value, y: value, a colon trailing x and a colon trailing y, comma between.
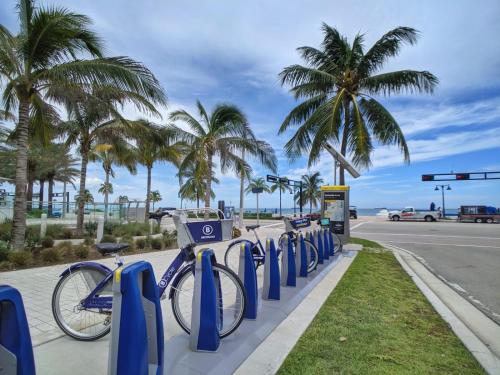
x: 32, y: 236
x: 5, y: 230
x: 141, y: 243
x: 51, y: 255
x: 47, y: 241
x: 131, y: 244
x: 236, y: 232
x: 55, y: 231
x: 169, y: 239
x: 156, y: 243
x: 89, y: 241
x: 67, y: 233
x: 65, y: 248
x: 91, y: 228
x: 5, y: 265
x: 108, y: 238
x: 4, y: 251
x: 109, y: 228
x: 131, y: 229
x: 20, y: 258
x: 81, y: 251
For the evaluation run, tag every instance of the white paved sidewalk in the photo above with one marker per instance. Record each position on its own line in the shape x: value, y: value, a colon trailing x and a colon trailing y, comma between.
x: 37, y: 284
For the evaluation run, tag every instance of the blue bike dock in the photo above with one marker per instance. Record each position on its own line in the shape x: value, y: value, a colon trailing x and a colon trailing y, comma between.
x: 136, y: 345
x: 16, y: 352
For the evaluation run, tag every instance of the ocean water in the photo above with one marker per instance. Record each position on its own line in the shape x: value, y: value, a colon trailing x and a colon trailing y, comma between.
x: 361, y: 211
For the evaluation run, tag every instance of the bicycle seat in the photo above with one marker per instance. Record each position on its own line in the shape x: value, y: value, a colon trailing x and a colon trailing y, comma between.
x: 251, y: 227
x: 107, y: 248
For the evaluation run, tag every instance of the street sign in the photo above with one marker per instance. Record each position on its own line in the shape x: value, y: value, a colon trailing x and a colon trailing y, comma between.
x: 461, y: 176
x: 257, y: 190
x: 271, y: 178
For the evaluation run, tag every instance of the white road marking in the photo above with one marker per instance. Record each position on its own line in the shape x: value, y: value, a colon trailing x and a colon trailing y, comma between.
x: 358, y: 225
x: 442, y: 244
x: 271, y: 225
x: 426, y: 235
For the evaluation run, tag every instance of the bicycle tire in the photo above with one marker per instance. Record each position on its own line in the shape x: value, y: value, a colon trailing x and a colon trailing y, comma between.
x: 56, y: 310
x: 235, y: 247
x: 313, y: 264
x: 220, y: 268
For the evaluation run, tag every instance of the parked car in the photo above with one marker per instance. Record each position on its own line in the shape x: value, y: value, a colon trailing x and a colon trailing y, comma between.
x: 314, y: 216
x: 160, y: 212
x: 409, y: 213
x: 353, y: 212
x: 479, y: 214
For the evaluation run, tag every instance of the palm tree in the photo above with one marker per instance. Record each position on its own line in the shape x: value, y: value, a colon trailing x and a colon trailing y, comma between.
x: 155, y: 197
x: 221, y: 134
x: 311, y: 184
x: 155, y: 143
x: 282, y: 186
x: 94, y: 120
x: 123, y: 199
x: 338, y: 83
x: 119, y: 154
x: 257, y: 183
x: 245, y: 171
x: 47, y: 55
x: 87, y: 197
x: 192, y: 184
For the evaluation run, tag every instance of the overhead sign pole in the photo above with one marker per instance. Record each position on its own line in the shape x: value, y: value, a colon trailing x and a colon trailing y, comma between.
x: 289, y: 183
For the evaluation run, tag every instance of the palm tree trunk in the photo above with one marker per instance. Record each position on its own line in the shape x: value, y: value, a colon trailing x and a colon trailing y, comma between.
x: 345, y: 133
x: 81, y: 194
x: 106, y: 196
x: 242, y: 182
x: 40, y: 195
x: 19, y: 222
x: 209, y: 182
x: 49, y: 198
x: 65, y: 202
x: 257, y: 208
x: 148, y: 192
x: 30, y: 194
x: 197, y: 199
x: 310, y: 206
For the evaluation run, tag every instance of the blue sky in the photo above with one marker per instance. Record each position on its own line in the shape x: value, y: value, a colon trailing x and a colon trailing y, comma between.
x: 226, y: 51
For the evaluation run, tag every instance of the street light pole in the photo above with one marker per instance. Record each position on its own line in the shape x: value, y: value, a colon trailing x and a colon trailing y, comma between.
x: 442, y: 195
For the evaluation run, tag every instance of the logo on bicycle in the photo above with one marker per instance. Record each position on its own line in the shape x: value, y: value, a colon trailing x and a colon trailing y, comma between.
x: 207, y: 230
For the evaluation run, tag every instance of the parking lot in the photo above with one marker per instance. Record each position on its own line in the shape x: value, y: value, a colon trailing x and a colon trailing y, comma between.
x: 466, y: 255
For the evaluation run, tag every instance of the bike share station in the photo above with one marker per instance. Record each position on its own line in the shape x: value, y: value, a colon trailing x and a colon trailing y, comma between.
x: 145, y: 337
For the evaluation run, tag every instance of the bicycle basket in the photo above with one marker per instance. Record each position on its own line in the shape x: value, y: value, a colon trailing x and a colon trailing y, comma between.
x: 200, y: 231
x: 295, y: 224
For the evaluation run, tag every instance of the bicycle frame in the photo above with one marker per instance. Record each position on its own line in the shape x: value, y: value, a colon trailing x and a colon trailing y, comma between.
x: 93, y: 301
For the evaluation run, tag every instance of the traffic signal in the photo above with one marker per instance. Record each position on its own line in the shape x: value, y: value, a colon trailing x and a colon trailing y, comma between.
x: 462, y: 176
x: 427, y: 177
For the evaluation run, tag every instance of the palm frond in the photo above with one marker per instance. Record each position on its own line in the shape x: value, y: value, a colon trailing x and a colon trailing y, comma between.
x: 402, y: 81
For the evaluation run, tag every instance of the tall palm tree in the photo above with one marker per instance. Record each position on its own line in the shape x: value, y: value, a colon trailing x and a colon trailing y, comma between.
x: 94, y: 119
x: 244, y: 171
x: 86, y: 197
x: 257, y: 183
x: 282, y: 186
x: 49, y: 54
x: 222, y: 134
x: 120, y: 154
x: 192, y: 184
x: 155, y: 197
x: 311, y: 184
x: 155, y: 144
x: 337, y: 84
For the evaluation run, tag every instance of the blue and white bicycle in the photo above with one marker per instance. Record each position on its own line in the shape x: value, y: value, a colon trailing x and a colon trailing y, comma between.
x: 82, y: 299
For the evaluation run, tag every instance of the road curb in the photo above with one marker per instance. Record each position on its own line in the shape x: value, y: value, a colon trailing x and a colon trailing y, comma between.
x: 479, y: 345
x: 270, y: 354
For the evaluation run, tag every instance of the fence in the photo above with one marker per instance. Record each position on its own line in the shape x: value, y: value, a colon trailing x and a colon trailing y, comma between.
x: 65, y: 213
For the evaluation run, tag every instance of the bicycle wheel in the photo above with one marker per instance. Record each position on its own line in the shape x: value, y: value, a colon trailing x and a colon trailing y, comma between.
x: 76, y: 321
x: 232, y: 255
x: 312, y: 251
x: 232, y: 299
x: 337, y: 243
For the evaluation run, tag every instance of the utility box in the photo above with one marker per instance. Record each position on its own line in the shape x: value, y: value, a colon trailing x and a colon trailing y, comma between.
x: 335, y: 208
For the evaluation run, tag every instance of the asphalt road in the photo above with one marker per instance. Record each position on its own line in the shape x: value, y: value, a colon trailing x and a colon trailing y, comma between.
x: 466, y: 255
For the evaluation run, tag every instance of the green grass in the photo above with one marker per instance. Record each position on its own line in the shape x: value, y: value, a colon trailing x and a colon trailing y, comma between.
x: 365, y: 243
x: 377, y: 322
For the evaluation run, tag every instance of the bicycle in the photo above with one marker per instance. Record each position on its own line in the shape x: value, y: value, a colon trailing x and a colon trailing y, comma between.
x: 292, y: 230
x: 84, y: 313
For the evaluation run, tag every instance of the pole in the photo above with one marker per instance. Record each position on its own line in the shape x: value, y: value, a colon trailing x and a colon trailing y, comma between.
x: 300, y: 198
x: 280, y: 199
x: 442, y: 193
x: 294, y: 206
x: 335, y: 171
x: 257, y: 208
